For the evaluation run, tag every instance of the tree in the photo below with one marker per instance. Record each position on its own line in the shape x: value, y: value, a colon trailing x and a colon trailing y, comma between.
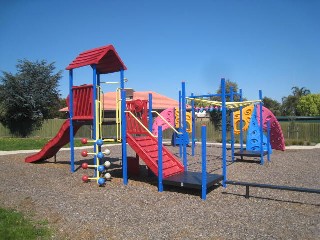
x: 300, y: 92
x: 273, y: 105
x: 29, y: 96
x: 216, y: 116
x: 289, y: 103
x: 229, y: 85
x: 309, y: 105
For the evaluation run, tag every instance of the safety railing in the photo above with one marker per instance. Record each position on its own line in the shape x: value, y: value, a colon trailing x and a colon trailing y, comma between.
x: 136, y: 128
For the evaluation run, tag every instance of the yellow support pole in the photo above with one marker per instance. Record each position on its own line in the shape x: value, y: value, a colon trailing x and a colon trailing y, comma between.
x: 118, y: 114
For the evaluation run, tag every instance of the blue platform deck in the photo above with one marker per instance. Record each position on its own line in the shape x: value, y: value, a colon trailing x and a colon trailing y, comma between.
x: 192, y: 180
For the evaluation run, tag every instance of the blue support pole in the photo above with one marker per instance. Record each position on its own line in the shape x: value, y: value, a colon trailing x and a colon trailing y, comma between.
x: 224, y: 132
x: 121, y: 79
x: 241, y: 123
x: 94, y: 124
x: 72, y: 169
x: 204, y: 163
x: 268, y: 140
x: 232, y: 127
x: 184, y: 127
x: 150, y: 113
x: 160, y: 172
x: 261, y: 130
x: 180, y: 120
x: 124, y: 138
x: 193, y: 119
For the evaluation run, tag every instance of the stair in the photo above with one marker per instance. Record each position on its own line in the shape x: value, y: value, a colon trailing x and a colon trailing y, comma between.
x: 147, y: 149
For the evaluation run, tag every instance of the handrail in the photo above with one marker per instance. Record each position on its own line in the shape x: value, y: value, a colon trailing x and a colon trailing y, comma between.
x: 145, y: 128
x: 125, y: 80
x: 167, y: 122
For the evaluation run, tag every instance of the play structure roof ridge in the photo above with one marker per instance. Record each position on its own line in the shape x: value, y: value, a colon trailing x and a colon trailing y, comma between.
x: 105, y: 58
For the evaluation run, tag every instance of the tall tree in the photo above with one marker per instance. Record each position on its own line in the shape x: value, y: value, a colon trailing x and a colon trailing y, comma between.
x: 229, y: 85
x: 29, y: 96
x: 216, y: 116
x: 309, y: 105
x: 289, y: 103
x: 300, y: 92
x: 273, y: 105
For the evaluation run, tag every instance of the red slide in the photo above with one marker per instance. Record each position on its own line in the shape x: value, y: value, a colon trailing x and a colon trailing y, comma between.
x: 147, y: 149
x: 54, y: 145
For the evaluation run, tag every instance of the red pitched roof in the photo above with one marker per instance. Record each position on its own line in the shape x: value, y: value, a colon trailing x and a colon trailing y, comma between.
x: 158, y: 101
x: 106, y: 58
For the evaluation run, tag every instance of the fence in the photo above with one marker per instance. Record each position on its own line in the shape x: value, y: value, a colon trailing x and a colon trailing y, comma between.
x: 299, y: 131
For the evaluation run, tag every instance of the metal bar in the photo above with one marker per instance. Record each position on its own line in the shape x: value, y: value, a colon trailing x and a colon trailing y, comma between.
x: 211, y: 95
x: 204, y: 162
x: 193, y: 122
x: 180, y: 145
x: 277, y: 187
x: 122, y: 80
x: 224, y: 132
x: 111, y: 82
x: 94, y: 123
x: 231, y: 127
x: 72, y: 168
x: 165, y: 122
x: 247, y: 192
x: 160, y: 174
x: 150, y: 112
x: 124, y: 138
x: 184, y: 127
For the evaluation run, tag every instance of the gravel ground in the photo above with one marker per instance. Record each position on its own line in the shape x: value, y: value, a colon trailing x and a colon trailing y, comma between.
x: 77, y: 210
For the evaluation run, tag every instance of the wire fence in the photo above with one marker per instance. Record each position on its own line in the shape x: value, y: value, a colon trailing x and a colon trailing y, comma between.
x: 292, y: 131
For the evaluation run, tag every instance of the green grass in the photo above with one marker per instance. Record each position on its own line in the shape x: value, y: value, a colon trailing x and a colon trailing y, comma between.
x: 11, y: 144
x: 13, y: 225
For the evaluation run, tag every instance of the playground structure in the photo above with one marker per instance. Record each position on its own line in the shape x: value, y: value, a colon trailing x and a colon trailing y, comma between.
x: 85, y: 106
x: 135, y: 128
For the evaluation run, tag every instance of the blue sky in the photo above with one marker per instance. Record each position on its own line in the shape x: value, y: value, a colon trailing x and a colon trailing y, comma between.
x: 269, y: 45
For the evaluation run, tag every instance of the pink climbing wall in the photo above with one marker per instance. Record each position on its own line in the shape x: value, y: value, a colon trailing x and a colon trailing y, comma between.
x: 168, y: 115
x: 276, y: 135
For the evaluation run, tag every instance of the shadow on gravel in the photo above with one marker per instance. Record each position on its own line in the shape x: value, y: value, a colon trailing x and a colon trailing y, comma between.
x: 254, y: 160
x: 272, y: 199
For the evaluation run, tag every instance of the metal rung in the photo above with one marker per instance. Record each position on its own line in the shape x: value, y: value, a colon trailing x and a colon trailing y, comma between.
x: 277, y: 187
